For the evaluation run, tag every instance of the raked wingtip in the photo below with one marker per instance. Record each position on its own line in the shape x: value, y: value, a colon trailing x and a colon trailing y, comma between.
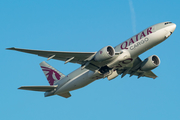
x: 12, y: 48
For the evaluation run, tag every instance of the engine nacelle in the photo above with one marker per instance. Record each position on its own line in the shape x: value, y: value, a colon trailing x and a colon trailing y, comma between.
x: 105, y: 53
x: 150, y: 63
x: 124, y: 57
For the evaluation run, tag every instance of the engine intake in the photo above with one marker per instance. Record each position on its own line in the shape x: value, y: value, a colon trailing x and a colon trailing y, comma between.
x: 105, y: 53
x: 150, y: 63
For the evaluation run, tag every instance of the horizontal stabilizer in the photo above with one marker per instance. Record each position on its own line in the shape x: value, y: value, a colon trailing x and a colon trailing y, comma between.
x: 39, y: 88
x: 66, y: 95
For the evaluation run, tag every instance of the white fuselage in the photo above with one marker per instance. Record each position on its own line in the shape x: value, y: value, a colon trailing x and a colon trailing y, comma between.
x: 136, y: 45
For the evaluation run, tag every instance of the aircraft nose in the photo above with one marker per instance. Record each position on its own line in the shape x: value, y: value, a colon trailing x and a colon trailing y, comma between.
x: 171, y: 28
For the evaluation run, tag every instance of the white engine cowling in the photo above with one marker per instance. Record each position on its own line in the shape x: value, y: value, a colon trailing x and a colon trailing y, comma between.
x: 105, y: 53
x: 150, y: 63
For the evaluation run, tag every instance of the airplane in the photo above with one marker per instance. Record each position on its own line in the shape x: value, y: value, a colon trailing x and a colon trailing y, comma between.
x: 108, y: 62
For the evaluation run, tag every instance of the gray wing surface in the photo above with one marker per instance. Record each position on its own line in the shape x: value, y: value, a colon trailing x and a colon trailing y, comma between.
x: 149, y: 74
x: 76, y: 57
x: 80, y: 57
x: 135, y: 70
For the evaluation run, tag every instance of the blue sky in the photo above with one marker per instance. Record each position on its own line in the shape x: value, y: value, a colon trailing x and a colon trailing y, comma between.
x: 86, y: 26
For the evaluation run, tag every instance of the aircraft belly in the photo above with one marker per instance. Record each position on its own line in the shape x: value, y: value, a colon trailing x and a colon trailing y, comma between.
x: 78, y: 82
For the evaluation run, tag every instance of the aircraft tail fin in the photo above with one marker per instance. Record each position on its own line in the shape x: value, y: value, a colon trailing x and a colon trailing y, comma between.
x: 51, y: 73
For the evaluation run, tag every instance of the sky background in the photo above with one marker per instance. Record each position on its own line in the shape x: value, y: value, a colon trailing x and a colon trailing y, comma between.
x: 86, y: 26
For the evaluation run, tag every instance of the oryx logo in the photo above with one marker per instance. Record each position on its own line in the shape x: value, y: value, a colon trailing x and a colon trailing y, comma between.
x: 51, y: 75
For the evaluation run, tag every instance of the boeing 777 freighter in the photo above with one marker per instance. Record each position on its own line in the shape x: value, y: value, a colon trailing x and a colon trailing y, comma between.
x: 107, y: 62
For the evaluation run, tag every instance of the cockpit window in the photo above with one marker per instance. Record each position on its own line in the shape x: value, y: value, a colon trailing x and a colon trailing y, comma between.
x: 167, y: 23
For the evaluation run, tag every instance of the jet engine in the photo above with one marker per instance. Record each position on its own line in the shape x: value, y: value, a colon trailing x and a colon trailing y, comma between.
x: 105, y: 53
x: 150, y: 63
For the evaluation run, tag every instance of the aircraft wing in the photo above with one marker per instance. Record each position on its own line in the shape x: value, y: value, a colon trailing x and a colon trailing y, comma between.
x: 80, y: 57
x: 74, y: 57
x: 39, y: 88
x: 149, y: 74
x: 135, y: 70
